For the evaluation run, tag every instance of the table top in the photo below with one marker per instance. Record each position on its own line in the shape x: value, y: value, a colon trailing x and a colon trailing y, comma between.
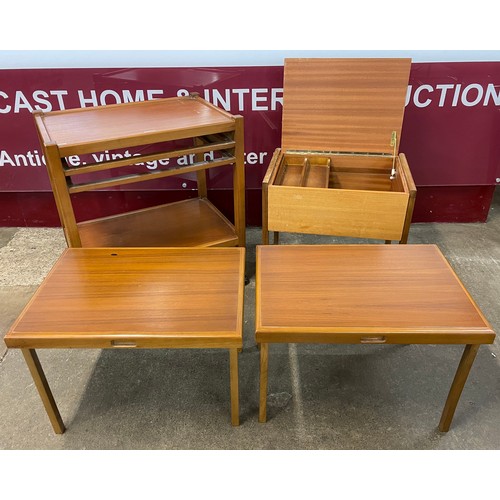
x: 137, y: 297
x: 122, y: 125
x: 363, y: 294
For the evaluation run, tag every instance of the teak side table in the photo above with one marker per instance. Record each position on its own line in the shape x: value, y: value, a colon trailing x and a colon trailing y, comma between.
x: 214, y: 138
x: 338, y: 171
x: 365, y: 294
x: 133, y: 298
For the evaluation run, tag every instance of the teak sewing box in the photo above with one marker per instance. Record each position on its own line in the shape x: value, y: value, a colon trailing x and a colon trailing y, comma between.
x: 339, y: 171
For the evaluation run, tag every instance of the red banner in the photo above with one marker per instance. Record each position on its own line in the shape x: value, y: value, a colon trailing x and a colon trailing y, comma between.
x: 254, y: 92
x: 450, y: 132
x: 452, y: 124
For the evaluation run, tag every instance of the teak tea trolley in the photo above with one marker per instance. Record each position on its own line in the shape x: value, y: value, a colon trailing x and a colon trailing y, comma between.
x: 338, y: 171
x: 175, y: 127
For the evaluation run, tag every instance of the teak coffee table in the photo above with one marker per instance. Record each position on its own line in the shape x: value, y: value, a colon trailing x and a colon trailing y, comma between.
x: 123, y: 298
x: 365, y: 294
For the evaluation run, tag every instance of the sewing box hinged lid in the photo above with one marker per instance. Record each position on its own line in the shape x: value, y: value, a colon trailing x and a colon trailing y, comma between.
x: 344, y: 105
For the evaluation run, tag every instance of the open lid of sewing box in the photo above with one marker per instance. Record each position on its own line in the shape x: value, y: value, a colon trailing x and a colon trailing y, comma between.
x: 344, y: 105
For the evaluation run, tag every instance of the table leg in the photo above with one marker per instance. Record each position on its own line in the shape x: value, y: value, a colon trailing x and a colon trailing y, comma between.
x: 43, y: 389
x: 264, y: 350
x: 457, y: 386
x: 233, y: 375
x: 276, y: 236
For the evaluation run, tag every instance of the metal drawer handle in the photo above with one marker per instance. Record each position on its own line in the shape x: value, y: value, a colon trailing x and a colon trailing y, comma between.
x: 373, y: 340
x: 120, y: 343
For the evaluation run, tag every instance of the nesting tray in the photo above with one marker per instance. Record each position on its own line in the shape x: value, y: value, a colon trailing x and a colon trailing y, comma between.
x: 304, y: 172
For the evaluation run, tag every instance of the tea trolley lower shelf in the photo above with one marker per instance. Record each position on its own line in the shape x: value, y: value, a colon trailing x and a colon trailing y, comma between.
x: 188, y: 223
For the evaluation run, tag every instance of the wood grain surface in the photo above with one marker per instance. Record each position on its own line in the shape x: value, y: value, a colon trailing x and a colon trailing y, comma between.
x: 85, y: 130
x: 194, y: 222
x: 350, y: 105
x: 136, y: 297
x: 363, y: 294
x: 340, y: 212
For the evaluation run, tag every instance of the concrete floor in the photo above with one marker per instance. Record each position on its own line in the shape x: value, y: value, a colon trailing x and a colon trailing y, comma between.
x: 320, y: 396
